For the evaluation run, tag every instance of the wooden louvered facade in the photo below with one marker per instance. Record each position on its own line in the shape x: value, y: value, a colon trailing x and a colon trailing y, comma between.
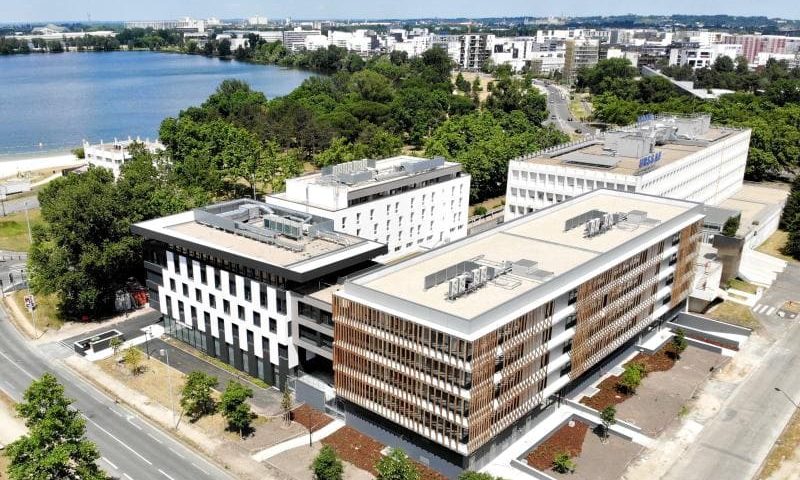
x: 618, y: 304
x: 437, y: 385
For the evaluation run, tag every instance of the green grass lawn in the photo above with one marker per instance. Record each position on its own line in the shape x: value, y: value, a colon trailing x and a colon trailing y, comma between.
x: 774, y: 245
x: 735, y: 313
x: 742, y: 286
x: 47, y: 316
x: 14, y: 230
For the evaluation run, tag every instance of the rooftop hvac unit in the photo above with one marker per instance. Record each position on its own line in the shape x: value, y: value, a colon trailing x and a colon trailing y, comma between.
x: 477, y: 280
x: 452, y: 289
x: 484, y: 270
x: 462, y: 283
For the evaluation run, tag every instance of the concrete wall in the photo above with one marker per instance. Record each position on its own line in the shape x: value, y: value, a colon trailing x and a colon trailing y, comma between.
x: 729, y: 252
x: 708, y: 324
x: 306, y: 393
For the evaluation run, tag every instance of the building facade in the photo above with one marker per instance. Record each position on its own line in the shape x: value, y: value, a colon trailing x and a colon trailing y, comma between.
x: 235, y: 280
x: 407, y: 203
x: 456, y: 351
x: 676, y: 157
x: 113, y: 155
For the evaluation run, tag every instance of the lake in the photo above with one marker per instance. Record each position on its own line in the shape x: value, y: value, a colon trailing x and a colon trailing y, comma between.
x: 51, y: 102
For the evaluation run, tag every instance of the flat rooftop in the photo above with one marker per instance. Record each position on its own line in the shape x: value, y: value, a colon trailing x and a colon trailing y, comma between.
x: 636, y: 149
x: 295, y: 242
x: 538, y: 248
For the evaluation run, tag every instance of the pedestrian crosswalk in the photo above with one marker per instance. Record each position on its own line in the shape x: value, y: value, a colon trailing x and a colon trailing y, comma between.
x: 764, y: 309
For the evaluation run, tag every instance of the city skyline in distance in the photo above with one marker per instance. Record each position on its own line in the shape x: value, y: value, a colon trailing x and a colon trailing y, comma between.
x: 81, y: 10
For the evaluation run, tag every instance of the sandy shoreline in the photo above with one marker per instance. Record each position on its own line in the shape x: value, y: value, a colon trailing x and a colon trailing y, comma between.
x: 11, y: 166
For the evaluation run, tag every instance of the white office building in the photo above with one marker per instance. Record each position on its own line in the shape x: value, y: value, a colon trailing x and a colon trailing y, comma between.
x: 407, y: 203
x: 699, y: 56
x: 237, y: 280
x: 113, y: 155
x: 675, y: 157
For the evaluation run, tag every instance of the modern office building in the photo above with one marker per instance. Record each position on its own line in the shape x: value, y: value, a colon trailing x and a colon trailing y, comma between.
x: 700, y: 56
x: 231, y: 280
x: 452, y: 354
x: 406, y: 203
x: 294, y: 40
x: 579, y: 53
x: 676, y: 157
x: 113, y: 155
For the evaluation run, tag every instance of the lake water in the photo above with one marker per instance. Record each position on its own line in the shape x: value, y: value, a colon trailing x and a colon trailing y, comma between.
x: 51, y: 102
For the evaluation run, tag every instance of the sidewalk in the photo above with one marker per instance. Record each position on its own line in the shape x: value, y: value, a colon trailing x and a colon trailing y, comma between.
x: 266, y: 402
x: 323, y: 432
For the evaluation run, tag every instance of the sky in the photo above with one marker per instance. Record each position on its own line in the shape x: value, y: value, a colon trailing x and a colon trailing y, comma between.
x: 45, y: 10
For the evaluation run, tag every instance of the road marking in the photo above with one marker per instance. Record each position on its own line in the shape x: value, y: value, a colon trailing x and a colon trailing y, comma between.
x: 109, y: 462
x: 116, y: 412
x: 163, y: 473
x: 154, y: 438
x: 129, y: 421
x: 13, y: 362
x: 176, y: 452
x: 198, y: 467
x: 127, y: 476
x: 771, y: 310
x: 117, y: 439
x: 758, y: 308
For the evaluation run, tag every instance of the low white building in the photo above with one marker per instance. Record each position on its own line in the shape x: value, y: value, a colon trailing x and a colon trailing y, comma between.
x: 407, y: 203
x: 113, y: 155
x: 698, y: 56
x: 675, y: 157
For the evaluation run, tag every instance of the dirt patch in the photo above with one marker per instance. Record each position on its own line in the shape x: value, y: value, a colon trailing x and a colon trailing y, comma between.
x: 364, y: 452
x: 784, y: 457
x: 661, y: 361
x: 565, y: 439
x: 310, y: 418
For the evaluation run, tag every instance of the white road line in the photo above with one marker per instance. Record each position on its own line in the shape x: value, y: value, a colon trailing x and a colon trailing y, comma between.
x: 109, y: 462
x: 117, y: 439
x: 771, y: 310
x: 19, y: 367
x: 758, y: 307
x: 163, y: 473
x: 154, y: 438
x: 116, y: 412
x: 129, y: 421
x: 176, y: 452
x: 127, y: 476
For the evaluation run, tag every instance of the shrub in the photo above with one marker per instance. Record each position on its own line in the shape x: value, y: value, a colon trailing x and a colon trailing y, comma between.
x: 562, y: 463
x: 480, y: 210
x: 326, y: 465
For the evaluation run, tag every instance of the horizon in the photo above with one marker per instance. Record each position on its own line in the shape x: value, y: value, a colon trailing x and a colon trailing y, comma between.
x: 30, y: 12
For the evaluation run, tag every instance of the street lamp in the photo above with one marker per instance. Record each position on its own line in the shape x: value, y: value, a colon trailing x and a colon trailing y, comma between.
x: 165, y: 353
x: 147, y: 333
x: 787, y: 397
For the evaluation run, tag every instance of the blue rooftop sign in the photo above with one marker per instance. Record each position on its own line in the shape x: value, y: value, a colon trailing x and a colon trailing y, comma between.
x: 649, y: 160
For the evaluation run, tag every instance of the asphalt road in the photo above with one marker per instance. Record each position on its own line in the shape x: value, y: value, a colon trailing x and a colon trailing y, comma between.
x: 558, y: 107
x: 131, y: 447
x: 735, y: 442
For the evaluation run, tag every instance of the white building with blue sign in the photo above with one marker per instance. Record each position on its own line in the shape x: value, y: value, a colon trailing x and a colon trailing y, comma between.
x: 676, y: 157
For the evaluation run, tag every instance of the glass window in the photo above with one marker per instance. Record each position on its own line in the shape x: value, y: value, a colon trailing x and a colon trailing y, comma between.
x: 273, y: 325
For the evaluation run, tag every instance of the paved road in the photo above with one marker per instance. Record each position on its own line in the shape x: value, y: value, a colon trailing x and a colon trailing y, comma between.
x: 734, y: 443
x: 131, y: 448
x: 558, y: 107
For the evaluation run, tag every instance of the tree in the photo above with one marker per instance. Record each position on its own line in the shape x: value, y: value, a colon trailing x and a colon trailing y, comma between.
x: 55, y: 446
x: 790, y: 218
x: 609, y: 417
x: 224, y: 48
x: 286, y: 406
x: 396, y: 466
x: 462, y: 84
x: 115, y: 345
x: 480, y: 210
x: 562, y: 463
x: 326, y: 465
x: 84, y: 250
x: 235, y: 408
x: 196, y: 398
x: 133, y: 359
x: 632, y: 377
x: 679, y: 343
x: 731, y: 226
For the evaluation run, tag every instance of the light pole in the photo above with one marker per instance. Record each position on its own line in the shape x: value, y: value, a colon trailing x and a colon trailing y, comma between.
x: 165, y: 353
x: 28, y: 220
x: 787, y: 397
x: 147, y: 334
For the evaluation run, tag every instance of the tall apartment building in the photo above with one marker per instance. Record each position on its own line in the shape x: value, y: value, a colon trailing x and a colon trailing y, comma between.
x: 236, y: 281
x: 754, y: 44
x: 579, y: 53
x: 468, y: 51
x: 113, y: 155
x: 407, y: 203
x: 452, y: 354
x: 668, y: 156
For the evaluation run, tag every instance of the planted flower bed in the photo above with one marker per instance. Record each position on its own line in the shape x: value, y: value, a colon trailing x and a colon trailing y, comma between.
x: 565, y: 440
x: 310, y: 418
x: 364, y: 452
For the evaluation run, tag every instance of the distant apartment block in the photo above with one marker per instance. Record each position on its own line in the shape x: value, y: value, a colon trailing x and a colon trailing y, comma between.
x: 468, y: 51
x: 294, y: 40
x: 451, y: 355
x: 676, y: 157
x: 114, y: 154
x: 406, y: 203
x: 578, y: 54
x: 700, y: 56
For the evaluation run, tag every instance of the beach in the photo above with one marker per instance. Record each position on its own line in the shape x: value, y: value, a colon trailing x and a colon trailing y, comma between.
x: 11, y: 166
